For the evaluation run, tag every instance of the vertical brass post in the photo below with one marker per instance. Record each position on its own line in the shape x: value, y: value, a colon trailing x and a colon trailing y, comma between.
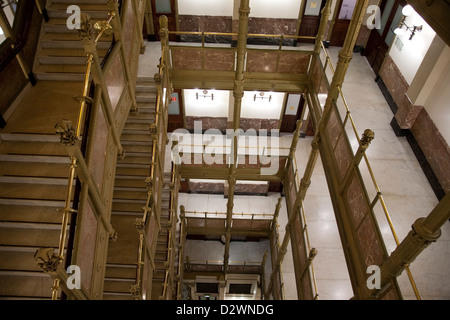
x: 238, y: 93
x: 345, y: 55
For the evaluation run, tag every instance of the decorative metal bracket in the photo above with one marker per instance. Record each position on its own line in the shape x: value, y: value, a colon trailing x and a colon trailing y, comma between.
x: 66, y: 132
x: 47, y: 260
x: 86, y: 31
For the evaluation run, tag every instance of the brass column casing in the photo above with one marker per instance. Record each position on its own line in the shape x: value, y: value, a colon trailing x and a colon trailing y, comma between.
x: 238, y: 93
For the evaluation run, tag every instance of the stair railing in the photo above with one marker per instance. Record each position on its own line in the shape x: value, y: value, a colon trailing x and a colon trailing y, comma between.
x: 168, y: 283
x: 71, y: 137
x: 158, y: 131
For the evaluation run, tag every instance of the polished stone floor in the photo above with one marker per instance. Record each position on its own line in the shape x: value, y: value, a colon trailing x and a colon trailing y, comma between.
x: 405, y: 188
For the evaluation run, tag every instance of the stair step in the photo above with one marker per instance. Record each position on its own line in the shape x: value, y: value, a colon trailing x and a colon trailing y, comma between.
x: 18, y: 260
x: 118, y: 285
x: 31, y: 210
x: 34, y: 166
x: 71, y: 41
x: 30, y: 287
x: 130, y: 193
x: 129, y: 181
x: 33, y: 188
x: 66, y: 56
x: 29, y: 235
x: 24, y: 137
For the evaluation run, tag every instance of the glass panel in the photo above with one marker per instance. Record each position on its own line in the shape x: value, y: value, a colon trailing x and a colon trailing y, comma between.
x: 292, y: 105
x: 395, y: 22
x: 174, y: 105
x: 347, y: 9
x: 163, y: 6
x: 312, y: 8
x: 385, y: 15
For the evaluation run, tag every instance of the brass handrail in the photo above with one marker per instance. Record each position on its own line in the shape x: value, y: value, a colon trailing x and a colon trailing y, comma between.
x: 206, y: 213
x: 170, y: 244
x: 379, y: 195
x: 67, y: 211
x: 200, y: 33
x: 220, y: 262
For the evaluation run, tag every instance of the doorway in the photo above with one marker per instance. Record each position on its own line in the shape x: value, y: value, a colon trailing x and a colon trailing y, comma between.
x: 164, y: 8
x: 343, y: 16
x: 309, y: 25
x: 380, y: 39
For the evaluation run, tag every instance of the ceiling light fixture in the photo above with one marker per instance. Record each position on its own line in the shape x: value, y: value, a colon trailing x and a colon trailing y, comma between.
x: 407, y: 11
x: 261, y: 96
x: 204, y: 95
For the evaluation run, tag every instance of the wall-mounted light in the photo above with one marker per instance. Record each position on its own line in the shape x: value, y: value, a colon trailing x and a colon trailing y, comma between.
x: 407, y: 11
x: 204, y: 95
x: 261, y: 96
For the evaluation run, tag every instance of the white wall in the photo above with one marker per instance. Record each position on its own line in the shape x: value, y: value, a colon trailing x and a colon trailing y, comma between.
x: 205, y: 7
x: 437, y: 105
x: 412, y: 52
x: 262, y: 108
x: 205, y: 107
x: 286, y: 9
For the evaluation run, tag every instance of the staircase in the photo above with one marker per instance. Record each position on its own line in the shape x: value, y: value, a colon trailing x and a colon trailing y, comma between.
x: 130, y: 194
x: 60, y: 55
x: 34, y: 165
x: 33, y: 184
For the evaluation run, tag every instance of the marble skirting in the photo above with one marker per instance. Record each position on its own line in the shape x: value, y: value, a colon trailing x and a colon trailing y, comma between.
x: 226, y: 24
x: 222, y: 124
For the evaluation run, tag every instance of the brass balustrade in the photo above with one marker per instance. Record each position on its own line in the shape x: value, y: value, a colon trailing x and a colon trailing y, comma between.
x: 379, y: 195
x: 168, y: 276
x: 209, y: 214
x: 101, y: 26
x: 157, y: 130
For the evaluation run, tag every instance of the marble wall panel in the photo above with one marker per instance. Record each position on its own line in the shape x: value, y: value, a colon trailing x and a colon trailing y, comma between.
x: 370, y: 244
x: 334, y: 127
x: 99, y: 140
x: 219, y: 123
x: 192, y: 23
x: 219, y: 60
x: 261, y: 61
x: 251, y: 189
x: 293, y: 62
x: 206, y: 187
x: 186, y: 59
x: 434, y: 147
x: 397, y: 87
x: 272, y: 26
x: 128, y: 28
x: 356, y: 201
x: 343, y: 155
x: 115, y: 81
x: 87, y: 226
x: 258, y: 124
